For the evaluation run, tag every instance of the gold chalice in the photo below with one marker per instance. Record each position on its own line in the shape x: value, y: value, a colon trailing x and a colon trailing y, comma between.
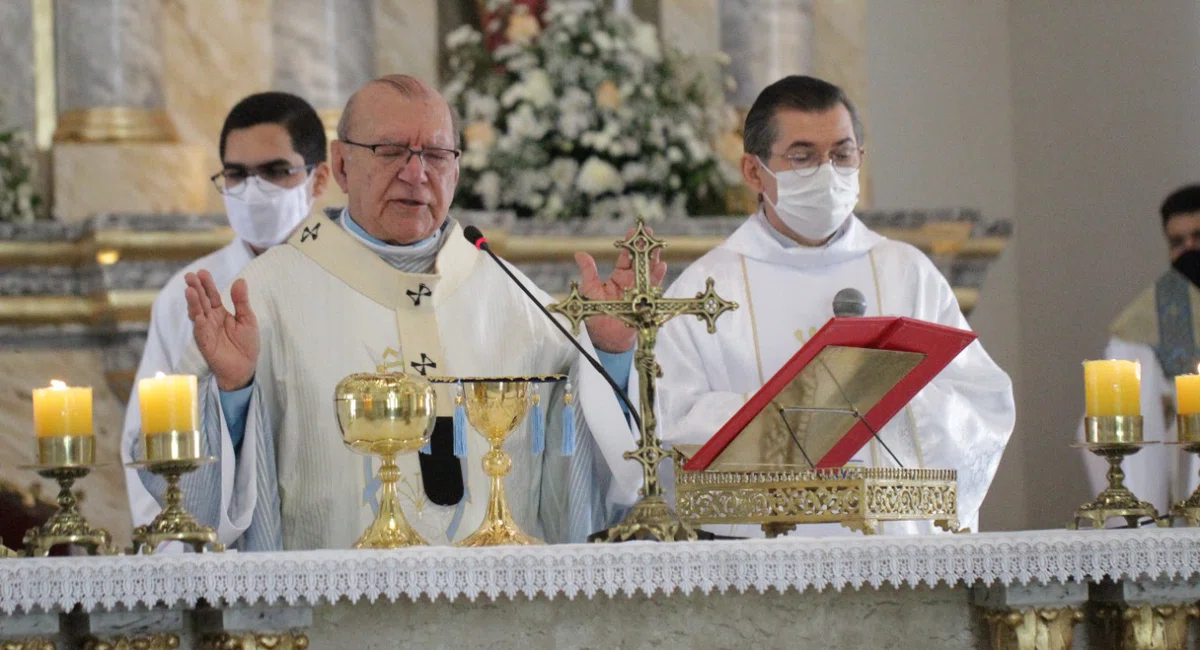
x: 494, y: 407
x: 1113, y: 438
x: 385, y: 414
x: 66, y: 459
x: 1187, y: 427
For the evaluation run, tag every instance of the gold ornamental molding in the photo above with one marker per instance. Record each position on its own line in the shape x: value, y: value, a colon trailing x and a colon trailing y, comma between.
x: 28, y: 644
x: 1147, y: 627
x: 329, y: 118
x: 111, y: 306
x: 155, y: 642
x: 1033, y: 629
x: 256, y: 641
x: 110, y: 246
x: 115, y: 124
x: 132, y: 244
x: 113, y: 246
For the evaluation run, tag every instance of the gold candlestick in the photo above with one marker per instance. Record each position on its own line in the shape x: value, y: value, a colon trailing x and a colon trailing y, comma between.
x: 66, y: 459
x: 171, y: 455
x: 1113, y: 438
x: 382, y: 415
x: 1187, y: 429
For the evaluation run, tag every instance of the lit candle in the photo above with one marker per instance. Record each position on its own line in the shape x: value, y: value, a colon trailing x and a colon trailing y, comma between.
x: 1112, y: 387
x: 1187, y: 394
x: 168, y: 403
x: 62, y: 410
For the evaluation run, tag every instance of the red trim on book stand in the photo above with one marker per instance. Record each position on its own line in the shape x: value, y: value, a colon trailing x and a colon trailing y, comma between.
x: 940, y: 345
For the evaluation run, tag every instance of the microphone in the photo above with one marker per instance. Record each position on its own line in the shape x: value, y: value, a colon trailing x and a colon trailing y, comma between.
x: 850, y: 303
x: 477, y: 240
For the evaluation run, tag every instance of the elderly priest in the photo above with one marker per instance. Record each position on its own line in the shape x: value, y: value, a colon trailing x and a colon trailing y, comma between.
x: 784, y: 265
x: 391, y: 275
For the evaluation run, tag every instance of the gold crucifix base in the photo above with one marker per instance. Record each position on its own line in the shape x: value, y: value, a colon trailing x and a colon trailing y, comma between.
x: 650, y: 519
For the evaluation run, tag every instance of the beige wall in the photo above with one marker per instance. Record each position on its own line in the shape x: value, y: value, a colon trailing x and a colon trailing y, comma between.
x: 1104, y: 96
x: 1074, y: 118
x: 940, y: 135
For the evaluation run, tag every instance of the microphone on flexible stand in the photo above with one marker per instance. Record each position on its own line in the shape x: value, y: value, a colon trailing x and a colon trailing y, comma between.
x: 477, y: 240
x: 850, y: 303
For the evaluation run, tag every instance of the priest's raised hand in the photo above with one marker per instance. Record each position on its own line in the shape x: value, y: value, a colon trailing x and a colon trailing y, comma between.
x: 227, y: 340
x: 607, y: 333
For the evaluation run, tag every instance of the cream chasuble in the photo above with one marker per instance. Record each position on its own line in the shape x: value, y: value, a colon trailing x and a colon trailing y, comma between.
x: 328, y: 307
x: 961, y: 420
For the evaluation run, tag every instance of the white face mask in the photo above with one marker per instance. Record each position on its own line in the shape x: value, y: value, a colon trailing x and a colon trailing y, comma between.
x: 264, y: 215
x: 814, y: 207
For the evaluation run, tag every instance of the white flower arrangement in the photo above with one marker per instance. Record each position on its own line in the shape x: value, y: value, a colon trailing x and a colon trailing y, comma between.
x: 18, y: 201
x: 586, y: 113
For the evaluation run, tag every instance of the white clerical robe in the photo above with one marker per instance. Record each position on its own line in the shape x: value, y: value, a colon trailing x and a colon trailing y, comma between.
x: 1160, y: 474
x: 327, y: 307
x: 170, y: 332
x: 961, y: 420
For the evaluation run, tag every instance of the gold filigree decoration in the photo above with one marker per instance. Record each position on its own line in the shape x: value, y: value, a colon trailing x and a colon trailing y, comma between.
x: 155, y: 642
x: 1147, y: 627
x: 256, y: 641
x: 1033, y: 629
x: 858, y: 498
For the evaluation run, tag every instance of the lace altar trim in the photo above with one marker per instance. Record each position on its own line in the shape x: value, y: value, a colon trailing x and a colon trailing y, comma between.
x: 51, y: 584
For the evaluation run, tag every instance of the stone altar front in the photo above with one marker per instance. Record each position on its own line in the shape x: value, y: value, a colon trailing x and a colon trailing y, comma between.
x: 942, y: 591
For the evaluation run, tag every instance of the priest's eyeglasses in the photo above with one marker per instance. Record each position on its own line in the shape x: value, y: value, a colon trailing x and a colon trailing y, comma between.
x: 430, y: 157
x: 845, y: 161
x: 232, y: 180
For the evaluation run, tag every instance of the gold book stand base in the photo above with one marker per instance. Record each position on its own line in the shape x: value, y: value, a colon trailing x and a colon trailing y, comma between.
x: 859, y: 498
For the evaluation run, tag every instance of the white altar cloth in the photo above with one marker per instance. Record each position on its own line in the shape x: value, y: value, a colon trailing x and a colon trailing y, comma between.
x: 316, y: 577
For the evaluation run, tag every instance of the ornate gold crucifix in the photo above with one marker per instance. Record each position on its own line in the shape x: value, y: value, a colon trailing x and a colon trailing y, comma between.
x: 644, y: 309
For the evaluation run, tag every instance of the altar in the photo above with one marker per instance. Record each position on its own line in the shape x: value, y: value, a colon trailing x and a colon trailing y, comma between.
x: 1034, y: 589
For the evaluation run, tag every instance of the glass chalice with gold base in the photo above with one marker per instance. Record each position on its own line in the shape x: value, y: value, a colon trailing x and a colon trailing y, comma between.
x: 383, y: 415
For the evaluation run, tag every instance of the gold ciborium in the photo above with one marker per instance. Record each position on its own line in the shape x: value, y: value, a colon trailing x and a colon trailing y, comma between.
x: 1113, y: 438
x: 385, y: 414
x: 495, y: 406
x: 1188, y: 434
x: 66, y: 459
x: 170, y: 455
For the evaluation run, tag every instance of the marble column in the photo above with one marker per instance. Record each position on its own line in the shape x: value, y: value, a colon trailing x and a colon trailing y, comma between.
x: 324, y: 51
x: 109, y: 69
x: 17, y: 88
x: 408, y: 37
x: 765, y: 40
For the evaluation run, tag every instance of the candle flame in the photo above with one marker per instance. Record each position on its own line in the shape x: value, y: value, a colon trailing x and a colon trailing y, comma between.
x: 57, y: 385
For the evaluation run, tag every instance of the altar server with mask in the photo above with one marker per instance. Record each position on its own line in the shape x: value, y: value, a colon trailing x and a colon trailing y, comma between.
x: 273, y: 153
x: 785, y: 264
x: 391, y: 279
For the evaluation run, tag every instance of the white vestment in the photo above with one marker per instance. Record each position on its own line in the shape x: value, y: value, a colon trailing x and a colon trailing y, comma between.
x: 327, y: 307
x: 961, y: 420
x: 1160, y: 474
x: 170, y: 332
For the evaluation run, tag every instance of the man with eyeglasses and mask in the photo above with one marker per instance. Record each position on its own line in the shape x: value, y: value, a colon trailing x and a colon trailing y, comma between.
x: 803, y: 150
x: 272, y: 149
x: 1160, y: 331
x: 391, y: 281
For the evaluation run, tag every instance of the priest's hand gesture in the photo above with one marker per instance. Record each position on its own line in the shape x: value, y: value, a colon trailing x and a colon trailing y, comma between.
x: 228, y: 341
x: 607, y: 333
